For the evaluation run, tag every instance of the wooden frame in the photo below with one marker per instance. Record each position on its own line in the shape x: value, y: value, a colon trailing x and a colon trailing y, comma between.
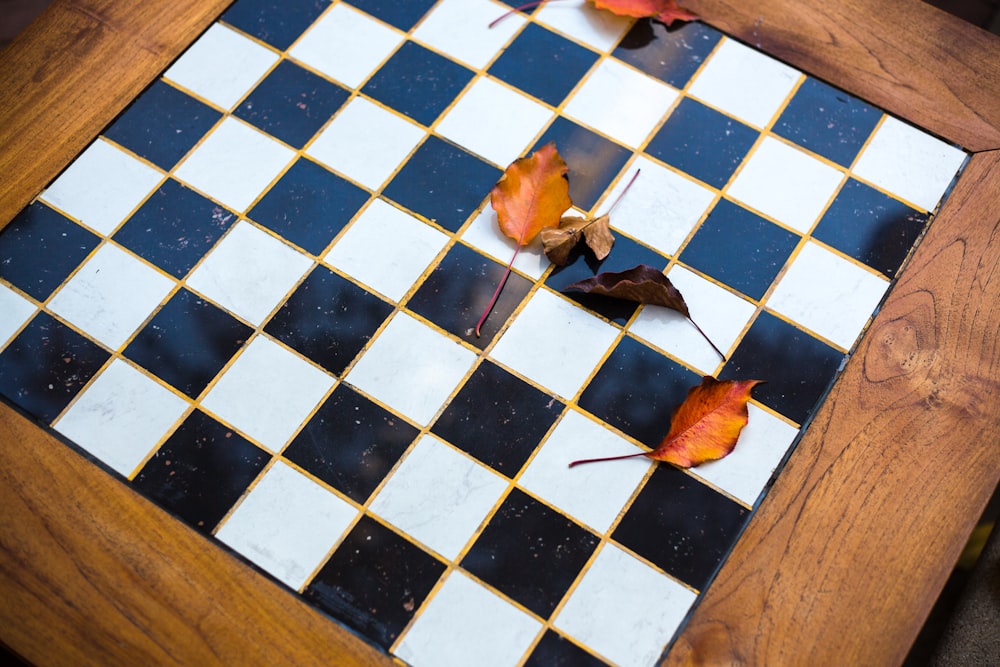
x: 840, y: 565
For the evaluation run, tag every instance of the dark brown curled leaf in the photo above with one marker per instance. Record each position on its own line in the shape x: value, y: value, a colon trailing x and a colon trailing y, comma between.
x: 642, y: 284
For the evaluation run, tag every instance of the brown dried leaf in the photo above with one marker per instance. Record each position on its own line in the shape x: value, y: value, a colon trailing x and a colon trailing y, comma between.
x: 558, y: 243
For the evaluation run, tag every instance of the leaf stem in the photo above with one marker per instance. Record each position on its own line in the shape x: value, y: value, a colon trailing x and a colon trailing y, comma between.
x: 607, y: 458
x: 705, y: 336
x: 634, y: 176
x: 496, y: 293
x: 527, y: 5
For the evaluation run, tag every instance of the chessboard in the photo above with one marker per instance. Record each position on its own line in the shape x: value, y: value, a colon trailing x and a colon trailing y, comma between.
x: 253, y: 300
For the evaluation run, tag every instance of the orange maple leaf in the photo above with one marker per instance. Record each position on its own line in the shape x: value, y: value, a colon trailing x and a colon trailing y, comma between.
x: 532, y: 194
x: 666, y: 11
x: 705, y: 427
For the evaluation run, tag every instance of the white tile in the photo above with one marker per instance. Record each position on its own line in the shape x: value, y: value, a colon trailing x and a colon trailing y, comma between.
x: 909, y: 163
x: 460, y: 28
x: 268, y: 392
x: 721, y: 314
x: 828, y: 294
x: 466, y: 624
x: 762, y: 444
x: 221, y: 66
x: 386, y: 249
x: 439, y: 496
x: 234, y: 164
x: 624, y: 610
x: 494, y: 121
x: 346, y: 45
x: 744, y: 82
x: 484, y: 234
x: 102, y: 186
x: 287, y: 524
x: 249, y: 272
x: 596, y: 27
x: 660, y: 208
x: 366, y: 143
x: 111, y: 295
x: 121, y: 416
x: 16, y: 311
x: 786, y: 183
x: 431, y: 365
x: 573, y: 344
x: 593, y: 493
x: 621, y: 102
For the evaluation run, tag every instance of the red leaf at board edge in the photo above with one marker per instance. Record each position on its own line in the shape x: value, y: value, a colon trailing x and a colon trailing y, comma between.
x: 665, y: 11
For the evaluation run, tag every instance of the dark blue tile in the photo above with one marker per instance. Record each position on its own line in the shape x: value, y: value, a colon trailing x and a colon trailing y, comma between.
x: 375, y: 581
x: 454, y: 295
x: 593, y: 160
x: 188, y: 342
x: 200, y: 472
x: 827, y: 121
x: 309, y: 206
x: 277, y: 22
x: 351, y: 443
x: 40, y: 247
x: 328, y: 319
x: 543, y: 64
x: 292, y: 103
x: 174, y: 228
x: 681, y: 525
x: 554, y: 650
x: 443, y: 183
x: 671, y: 54
x: 702, y: 142
x: 46, y: 365
x: 797, y: 369
x: 871, y: 227
x: 493, y: 401
x: 403, y: 15
x: 418, y: 82
x: 637, y: 390
x: 530, y: 553
x: 163, y: 124
x: 625, y: 254
x: 739, y: 248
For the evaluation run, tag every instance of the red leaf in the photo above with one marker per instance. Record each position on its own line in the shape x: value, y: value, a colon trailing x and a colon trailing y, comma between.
x: 666, y: 11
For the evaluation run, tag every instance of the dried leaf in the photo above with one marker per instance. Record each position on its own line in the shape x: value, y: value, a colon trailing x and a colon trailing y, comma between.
x: 642, y: 284
x: 665, y: 11
x: 559, y: 243
x: 705, y: 427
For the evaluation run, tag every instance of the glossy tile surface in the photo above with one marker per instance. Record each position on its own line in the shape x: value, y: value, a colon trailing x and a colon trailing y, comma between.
x: 254, y: 299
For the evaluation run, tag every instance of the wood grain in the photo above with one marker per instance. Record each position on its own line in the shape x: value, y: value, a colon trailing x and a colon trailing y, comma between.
x: 907, y: 57
x: 849, y: 550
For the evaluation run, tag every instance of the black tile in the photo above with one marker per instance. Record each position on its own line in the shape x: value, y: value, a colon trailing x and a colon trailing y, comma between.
x: 625, y: 254
x: 40, y: 247
x: 827, y: 121
x: 554, y: 650
x: 739, y: 248
x: 702, y: 142
x: 543, y: 64
x: 637, y: 390
x: 351, y: 443
x: 671, y: 54
x: 174, y: 228
x: 530, y: 553
x: 277, y: 22
x: 454, y: 295
x: 374, y: 581
x: 309, y: 205
x: 593, y: 160
x: 418, y: 82
x: 292, y: 103
x: 163, y: 124
x: 328, y: 319
x: 797, y: 369
x: 403, y: 15
x: 46, y: 365
x: 443, y: 183
x: 494, y: 402
x: 201, y: 471
x: 188, y: 342
x: 681, y: 525
x: 871, y: 227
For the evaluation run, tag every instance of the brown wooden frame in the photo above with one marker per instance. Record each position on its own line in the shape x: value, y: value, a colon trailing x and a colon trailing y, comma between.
x: 840, y: 565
